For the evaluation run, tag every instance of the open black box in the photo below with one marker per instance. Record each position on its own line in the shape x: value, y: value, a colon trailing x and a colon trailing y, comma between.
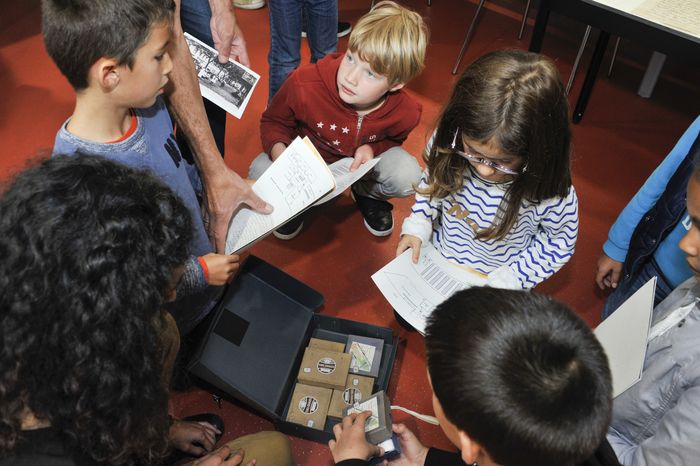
x: 255, y: 341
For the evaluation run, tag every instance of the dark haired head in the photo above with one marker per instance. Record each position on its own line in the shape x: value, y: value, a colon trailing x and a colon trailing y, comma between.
x: 88, y: 248
x: 521, y: 375
x: 515, y: 99
x: 77, y: 33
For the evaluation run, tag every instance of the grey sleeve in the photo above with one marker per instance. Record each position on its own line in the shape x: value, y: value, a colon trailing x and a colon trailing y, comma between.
x: 193, y: 279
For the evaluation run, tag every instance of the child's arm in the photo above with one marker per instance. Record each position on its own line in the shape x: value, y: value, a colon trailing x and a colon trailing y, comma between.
x: 615, y: 248
x: 193, y: 279
x: 278, y: 125
x: 552, y: 247
x: 211, y: 269
x: 418, y: 227
x: 219, y: 268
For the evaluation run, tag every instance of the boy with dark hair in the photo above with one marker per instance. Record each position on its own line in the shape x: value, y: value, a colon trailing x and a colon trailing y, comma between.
x: 517, y: 378
x: 115, y: 55
x: 353, y: 105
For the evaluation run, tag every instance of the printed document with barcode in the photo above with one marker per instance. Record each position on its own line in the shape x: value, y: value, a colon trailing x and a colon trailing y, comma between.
x: 413, y: 290
x: 298, y: 178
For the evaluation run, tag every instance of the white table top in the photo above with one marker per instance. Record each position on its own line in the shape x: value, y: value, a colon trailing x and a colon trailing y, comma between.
x: 679, y: 15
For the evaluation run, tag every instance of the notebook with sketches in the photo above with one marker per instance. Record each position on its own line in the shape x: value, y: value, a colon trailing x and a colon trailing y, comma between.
x: 228, y: 85
x: 413, y: 290
x: 298, y: 178
x: 624, y: 336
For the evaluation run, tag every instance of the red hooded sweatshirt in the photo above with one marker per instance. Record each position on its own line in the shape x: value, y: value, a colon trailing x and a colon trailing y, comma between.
x: 308, y: 104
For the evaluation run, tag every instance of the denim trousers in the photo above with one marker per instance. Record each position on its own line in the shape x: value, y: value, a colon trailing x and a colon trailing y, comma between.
x: 286, y: 16
x: 625, y: 290
x: 195, y: 16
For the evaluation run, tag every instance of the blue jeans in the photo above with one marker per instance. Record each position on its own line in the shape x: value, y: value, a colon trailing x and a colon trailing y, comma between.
x: 321, y: 19
x: 195, y: 16
x: 625, y: 290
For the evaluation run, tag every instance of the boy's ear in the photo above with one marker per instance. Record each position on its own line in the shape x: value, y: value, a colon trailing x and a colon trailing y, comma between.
x: 105, y: 73
x: 396, y: 87
x: 469, y: 447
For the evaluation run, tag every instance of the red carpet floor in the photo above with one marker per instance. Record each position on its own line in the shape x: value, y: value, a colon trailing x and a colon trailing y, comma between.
x: 619, y: 142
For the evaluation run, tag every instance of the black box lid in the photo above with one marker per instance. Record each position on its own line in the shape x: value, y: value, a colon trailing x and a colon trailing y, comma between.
x: 255, y: 339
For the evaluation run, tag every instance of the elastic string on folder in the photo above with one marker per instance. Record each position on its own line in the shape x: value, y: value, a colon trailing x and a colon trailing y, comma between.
x: 423, y: 417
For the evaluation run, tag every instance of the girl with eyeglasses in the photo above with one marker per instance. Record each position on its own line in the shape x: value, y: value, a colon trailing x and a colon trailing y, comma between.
x: 496, y: 195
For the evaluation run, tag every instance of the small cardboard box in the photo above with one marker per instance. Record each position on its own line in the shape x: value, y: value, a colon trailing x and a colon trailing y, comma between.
x: 309, y: 406
x: 327, y: 345
x: 254, y: 341
x: 378, y: 425
x: 324, y: 368
x: 357, y: 389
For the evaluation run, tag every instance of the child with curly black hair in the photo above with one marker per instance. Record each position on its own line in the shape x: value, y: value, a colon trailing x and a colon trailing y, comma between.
x: 91, y: 251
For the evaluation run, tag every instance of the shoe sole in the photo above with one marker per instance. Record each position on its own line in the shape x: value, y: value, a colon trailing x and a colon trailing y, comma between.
x: 380, y: 233
x: 340, y: 33
x: 288, y: 236
x: 252, y: 6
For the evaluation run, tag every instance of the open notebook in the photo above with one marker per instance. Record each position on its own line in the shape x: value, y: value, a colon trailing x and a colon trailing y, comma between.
x: 297, y: 180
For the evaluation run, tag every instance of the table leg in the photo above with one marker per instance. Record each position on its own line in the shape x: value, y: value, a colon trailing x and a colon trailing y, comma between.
x: 587, y: 88
x: 540, y: 26
x: 651, y: 75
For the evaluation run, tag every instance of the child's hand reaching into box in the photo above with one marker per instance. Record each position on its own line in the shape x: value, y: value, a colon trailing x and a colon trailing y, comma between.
x: 350, y: 441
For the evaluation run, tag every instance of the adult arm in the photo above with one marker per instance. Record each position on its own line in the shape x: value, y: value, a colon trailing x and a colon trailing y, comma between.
x: 225, y: 190
x: 228, y: 37
x: 551, y: 248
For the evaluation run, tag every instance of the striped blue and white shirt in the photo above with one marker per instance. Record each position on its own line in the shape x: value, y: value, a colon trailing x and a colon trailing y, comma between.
x: 540, y: 242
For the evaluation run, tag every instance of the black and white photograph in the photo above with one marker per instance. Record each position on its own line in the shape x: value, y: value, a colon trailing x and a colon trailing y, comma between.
x: 229, y: 85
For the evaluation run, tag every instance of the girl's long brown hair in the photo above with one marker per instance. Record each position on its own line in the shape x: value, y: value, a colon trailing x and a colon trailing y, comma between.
x: 515, y: 98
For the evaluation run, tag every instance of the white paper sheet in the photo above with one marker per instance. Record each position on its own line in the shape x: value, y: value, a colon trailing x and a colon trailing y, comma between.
x: 681, y: 15
x: 228, y: 85
x: 297, y: 179
x: 413, y: 290
x: 624, y: 337
x: 344, y: 178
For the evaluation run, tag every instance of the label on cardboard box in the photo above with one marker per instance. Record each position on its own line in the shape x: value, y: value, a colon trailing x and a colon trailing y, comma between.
x: 309, y: 406
x: 357, y: 389
x: 324, y: 368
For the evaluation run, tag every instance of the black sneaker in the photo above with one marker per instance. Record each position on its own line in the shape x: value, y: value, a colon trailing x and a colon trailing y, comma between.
x: 290, y: 230
x: 343, y: 29
x: 377, y: 214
